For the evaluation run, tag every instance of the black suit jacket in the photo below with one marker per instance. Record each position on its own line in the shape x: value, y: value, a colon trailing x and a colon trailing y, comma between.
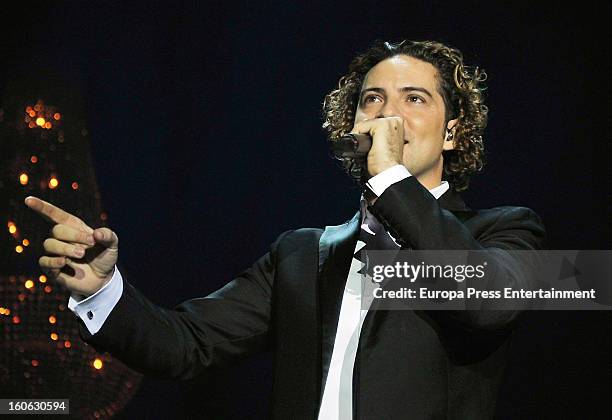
x: 410, y: 364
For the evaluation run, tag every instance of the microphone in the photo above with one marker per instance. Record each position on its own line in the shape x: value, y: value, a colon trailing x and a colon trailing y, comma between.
x: 352, y: 146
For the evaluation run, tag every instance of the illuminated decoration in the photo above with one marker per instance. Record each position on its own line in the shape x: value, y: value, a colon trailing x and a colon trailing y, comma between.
x: 41, y: 115
x: 53, y: 182
x: 41, y: 352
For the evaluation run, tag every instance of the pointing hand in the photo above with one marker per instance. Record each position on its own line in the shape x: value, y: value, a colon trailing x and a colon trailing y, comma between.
x: 78, y: 257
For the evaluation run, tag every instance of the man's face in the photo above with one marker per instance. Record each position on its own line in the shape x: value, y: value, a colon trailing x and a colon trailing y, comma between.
x: 406, y: 87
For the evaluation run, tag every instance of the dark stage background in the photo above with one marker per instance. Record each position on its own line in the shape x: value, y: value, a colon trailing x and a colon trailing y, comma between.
x: 205, y: 126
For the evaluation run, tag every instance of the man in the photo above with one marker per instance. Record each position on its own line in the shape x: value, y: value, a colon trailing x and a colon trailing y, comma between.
x: 332, y: 359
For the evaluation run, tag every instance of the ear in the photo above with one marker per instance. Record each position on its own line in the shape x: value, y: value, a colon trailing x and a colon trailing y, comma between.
x: 449, y: 135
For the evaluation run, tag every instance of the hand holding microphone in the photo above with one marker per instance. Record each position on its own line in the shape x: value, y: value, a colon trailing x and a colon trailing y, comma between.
x: 381, y: 140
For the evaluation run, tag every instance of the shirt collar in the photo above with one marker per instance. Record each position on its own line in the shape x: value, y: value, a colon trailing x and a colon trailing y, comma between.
x: 440, y: 189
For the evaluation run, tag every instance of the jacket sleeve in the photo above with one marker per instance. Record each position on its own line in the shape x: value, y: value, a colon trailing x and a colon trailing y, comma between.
x: 412, y: 214
x: 180, y: 343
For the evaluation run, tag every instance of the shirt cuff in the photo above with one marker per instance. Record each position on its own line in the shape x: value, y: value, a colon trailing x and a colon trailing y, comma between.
x: 95, y: 309
x: 379, y: 183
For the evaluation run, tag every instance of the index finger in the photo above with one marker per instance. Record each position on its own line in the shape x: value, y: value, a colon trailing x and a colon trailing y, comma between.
x: 55, y: 214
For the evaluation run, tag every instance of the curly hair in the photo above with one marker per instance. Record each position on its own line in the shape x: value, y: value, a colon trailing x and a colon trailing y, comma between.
x: 461, y: 87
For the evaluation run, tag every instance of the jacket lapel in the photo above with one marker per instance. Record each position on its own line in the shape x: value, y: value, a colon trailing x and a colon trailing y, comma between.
x: 336, y: 248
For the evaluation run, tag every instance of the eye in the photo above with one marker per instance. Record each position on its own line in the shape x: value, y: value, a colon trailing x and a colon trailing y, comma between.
x: 415, y: 99
x: 370, y: 98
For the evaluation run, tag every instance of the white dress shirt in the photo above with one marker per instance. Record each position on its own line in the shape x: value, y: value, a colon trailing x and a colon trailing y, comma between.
x: 337, y: 402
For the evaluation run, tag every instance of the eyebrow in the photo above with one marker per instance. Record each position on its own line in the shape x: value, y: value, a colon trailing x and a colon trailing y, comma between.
x: 403, y: 89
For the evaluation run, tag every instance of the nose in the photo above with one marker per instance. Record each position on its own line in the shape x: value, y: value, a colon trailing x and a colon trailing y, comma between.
x: 387, y: 110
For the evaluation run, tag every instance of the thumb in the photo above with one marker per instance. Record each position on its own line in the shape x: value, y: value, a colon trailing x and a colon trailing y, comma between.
x: 106, y: 237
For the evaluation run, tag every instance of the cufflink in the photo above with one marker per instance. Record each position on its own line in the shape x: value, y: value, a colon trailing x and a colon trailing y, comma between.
x: 89, y: 315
